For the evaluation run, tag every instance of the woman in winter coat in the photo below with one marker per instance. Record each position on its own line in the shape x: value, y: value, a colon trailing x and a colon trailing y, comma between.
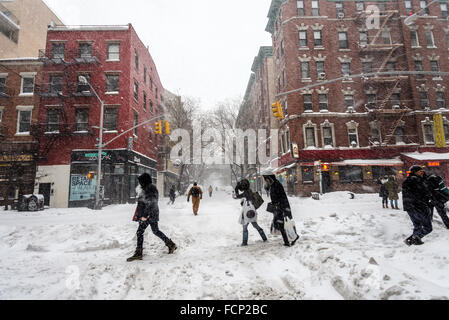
x: 392, y: 188
x: 147, y: 214
x: 245, y: 218
x: 281, y: 206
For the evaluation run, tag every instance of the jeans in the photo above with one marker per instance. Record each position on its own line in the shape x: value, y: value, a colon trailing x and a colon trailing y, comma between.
x: 257, y: 227
x: 442, y: 212
x: 395, y: 202
x: 154, y: 227
x: 422, y: 222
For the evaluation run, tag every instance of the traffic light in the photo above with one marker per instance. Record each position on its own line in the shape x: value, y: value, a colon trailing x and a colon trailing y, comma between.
x: 277, y: 110
x: 324, y: 167
x: 167, y: 127
x: 158, y: 127
x: 90, y: 175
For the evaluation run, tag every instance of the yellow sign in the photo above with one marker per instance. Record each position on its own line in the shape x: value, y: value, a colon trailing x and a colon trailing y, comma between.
x: 16, y: 158
x: 440, y: 140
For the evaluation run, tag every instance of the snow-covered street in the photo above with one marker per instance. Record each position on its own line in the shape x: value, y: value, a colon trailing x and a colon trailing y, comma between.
x: 349, y: 249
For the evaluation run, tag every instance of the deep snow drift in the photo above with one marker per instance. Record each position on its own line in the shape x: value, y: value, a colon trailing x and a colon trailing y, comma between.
x: 349, y: 249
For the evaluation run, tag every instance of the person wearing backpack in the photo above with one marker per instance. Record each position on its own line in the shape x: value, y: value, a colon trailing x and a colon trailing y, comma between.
x: 249, y: 213
x: 440, y: 195
x: 197, y: 194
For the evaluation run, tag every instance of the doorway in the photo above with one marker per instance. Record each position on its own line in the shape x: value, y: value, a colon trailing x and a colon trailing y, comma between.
x: 326, y: 182
x: 45, y: 190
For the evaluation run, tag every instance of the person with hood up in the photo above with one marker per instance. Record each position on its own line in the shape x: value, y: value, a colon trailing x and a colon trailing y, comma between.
x: 392, y: 189
x: 440, y: 195
x: 281, y: 206
x: 147, y: 214
x: 197, y: 194
x: 416, y: 198
x: 383, y: 193
x: 245, y: 218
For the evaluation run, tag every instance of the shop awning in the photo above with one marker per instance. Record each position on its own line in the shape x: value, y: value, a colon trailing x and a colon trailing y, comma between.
x: 427, y: 156
x: 282, y: 169
x: 369, y: 162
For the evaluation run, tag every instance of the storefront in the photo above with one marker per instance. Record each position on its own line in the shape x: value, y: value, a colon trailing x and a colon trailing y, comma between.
x: 120, y: 169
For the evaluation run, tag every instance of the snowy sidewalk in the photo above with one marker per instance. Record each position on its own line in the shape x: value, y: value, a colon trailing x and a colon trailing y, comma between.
x: 349, y: 249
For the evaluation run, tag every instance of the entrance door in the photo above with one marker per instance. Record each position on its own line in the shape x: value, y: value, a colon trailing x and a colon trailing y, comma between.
x: 45, y: 189
x: 326, y: 182
x: 117, y: 189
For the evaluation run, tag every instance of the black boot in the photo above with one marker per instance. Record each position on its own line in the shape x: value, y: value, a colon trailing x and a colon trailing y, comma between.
x: 417, y: 241
x: 409, y: 241
x: 137, y: 255
x: 171, y: 246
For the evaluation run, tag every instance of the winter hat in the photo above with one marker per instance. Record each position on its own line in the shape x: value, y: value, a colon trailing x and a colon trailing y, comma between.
x: 243, y: 184
x: 195, y: 184
x: 145, y: 179
x: 414, y: 169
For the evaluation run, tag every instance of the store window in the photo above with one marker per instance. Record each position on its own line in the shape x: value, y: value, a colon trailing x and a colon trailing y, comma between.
x: 308, y: 174
x: 350, y: 174
x: 379, y: 172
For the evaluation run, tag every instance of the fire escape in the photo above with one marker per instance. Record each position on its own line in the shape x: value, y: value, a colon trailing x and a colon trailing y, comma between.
x: 63, y: 91
x: 386, y: 54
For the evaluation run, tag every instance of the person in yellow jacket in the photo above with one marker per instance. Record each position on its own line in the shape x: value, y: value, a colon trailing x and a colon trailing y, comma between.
x: 197, y: 194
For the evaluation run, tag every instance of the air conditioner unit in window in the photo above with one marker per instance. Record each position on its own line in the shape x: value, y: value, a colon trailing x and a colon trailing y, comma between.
x: 351, y: 109
x: 322, y: 75
x: 340, y: 15
x: 396, y: 106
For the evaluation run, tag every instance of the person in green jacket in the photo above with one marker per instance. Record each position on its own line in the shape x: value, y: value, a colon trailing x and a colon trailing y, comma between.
x: 392, y: 188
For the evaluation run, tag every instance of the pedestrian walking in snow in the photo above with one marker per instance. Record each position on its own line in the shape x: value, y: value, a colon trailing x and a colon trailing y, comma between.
x: 416, y: 198
x: 440, y: 195
x: 197, y: 194
x: 147, y: 214
x: 281, y: 207
x: 210, y: 191
x: 172, y: 194
x: 383, y: 193
x: 249, y: 213
x: 392, y: 188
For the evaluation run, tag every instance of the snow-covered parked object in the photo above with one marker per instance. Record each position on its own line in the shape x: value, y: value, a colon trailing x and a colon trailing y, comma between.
x: 31, y: 202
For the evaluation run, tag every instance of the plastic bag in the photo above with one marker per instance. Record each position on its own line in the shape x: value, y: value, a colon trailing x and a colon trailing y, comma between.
x: 290, y: 229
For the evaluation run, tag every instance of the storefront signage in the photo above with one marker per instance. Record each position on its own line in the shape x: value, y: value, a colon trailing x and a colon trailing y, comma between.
x: 295, y: 150
x: 82, y: 188
x: 94, y: 155
x: 440, y: 140
x: 433, y: 164
x: 16, y: 158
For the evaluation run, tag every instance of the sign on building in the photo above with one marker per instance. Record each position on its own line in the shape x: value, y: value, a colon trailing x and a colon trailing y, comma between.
x: 82, y: 188
x: 440, y: 140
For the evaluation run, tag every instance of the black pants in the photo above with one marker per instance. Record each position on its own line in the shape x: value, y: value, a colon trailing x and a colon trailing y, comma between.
x: 422, y: 222
x: 442, y: 212
x: 385, y: 201
x: 279, y: 225
x: 154, y: 227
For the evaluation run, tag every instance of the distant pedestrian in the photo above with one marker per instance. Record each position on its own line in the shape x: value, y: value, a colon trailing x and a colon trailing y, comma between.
x: 383, y: 193
x: 392, y: 188
x: 416, y: 198
x: 172, y: 194
x: 197, y: 194
x: 210, y: 191
x: 147, y: 214
x: 249, y: 213
x: 440, y: 195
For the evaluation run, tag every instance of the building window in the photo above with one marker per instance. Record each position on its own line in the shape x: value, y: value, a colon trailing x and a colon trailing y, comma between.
x: 310, y: 137
x: 317, y: 37
x: 151, y: 106
x: 441, y: 100
x: 151, y: 83
x: 367, y: 67
x: 144, y: 74
x: 386, y: 37
x: 24, y: 121
x: 343, y: 40
x: 380, y: 172
x: 82, y: 120
x: 434, y: 67
x: 55, y: 84
x: 429, y: 39
x: 414, y: 38
x: 300, y: 7
x: 303, y: 38
x: 282, y: 47
x: 328, y: 140
x: 372, y: 100
x: 111, y: 119
x: 323, y: 101
x: 390, y: 66
x: 424, y: 100
x: 363, y: 36
x: 350, y: 174
x: 2, y: 85
x: 287, y: 140
x: 419, y: 67
x: 52, y: 124
x: 444, y: 11
x: 85, y: 50
x: 446, y: 130
x: 409, y: 7
x: 399, y: 135
x: 345, y: 69
x: 1, y: 114
x: 57, y: 50
x: 136, y: 60
x: 308, y: 106
x: 82, y: 87
x: 308, y: 174
x: 349, y: 101
x: 374, y: 132
x: 112, y: 83
x: 340, y: 9
x: 305, y: 70
x: 395, y: 99
x: 136, y: 122
x: 423, y: 6
x: 353, y: 137
x: 283, y: 143
x: 315, y: 8
x: 429, y: 137
x: 284, y: 78
x: 27, y: 85
x: 320, y: 72
x: 144, y: 101
x: 136, y: 91
x: 114, y: 52
x: 360, y: 6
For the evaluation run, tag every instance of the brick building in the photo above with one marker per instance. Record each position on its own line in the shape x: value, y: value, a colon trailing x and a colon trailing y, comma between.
x: 122, y: 72
x: 358, y: 126
x: 18, y: 110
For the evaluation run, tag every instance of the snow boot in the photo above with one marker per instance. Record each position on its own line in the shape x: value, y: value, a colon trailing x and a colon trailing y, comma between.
x: 171, y: 246
x: 408, y: 241
x: 137, y: 255
x: 417, y: 241
x: 294, y: 241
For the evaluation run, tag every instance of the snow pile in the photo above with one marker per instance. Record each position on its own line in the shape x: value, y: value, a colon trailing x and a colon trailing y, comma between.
x: 349, y: 249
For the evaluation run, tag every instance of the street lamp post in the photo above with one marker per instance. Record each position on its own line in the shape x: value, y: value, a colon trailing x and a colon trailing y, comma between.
x: 97, y: 205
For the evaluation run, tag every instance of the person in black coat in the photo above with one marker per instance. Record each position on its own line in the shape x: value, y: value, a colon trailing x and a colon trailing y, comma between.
x: 172, y: 195
x: 440, y: 195
x: 281, y: 206
x: 416, y: 198
x: 147, y: 214
x: 383, y: 192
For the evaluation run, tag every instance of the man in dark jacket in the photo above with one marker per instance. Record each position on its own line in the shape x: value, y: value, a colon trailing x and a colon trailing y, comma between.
x: 281, y: 206
x: 148, y: 215
x: 416, y: 198
x: 440, y: 195
x: 172, y: 195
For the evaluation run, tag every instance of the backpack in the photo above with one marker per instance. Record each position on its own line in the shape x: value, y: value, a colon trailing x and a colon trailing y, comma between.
x: 258, y: 201
x: 195, y: 192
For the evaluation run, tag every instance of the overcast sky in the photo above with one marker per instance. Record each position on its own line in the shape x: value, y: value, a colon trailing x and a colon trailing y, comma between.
x: 202, y: 48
